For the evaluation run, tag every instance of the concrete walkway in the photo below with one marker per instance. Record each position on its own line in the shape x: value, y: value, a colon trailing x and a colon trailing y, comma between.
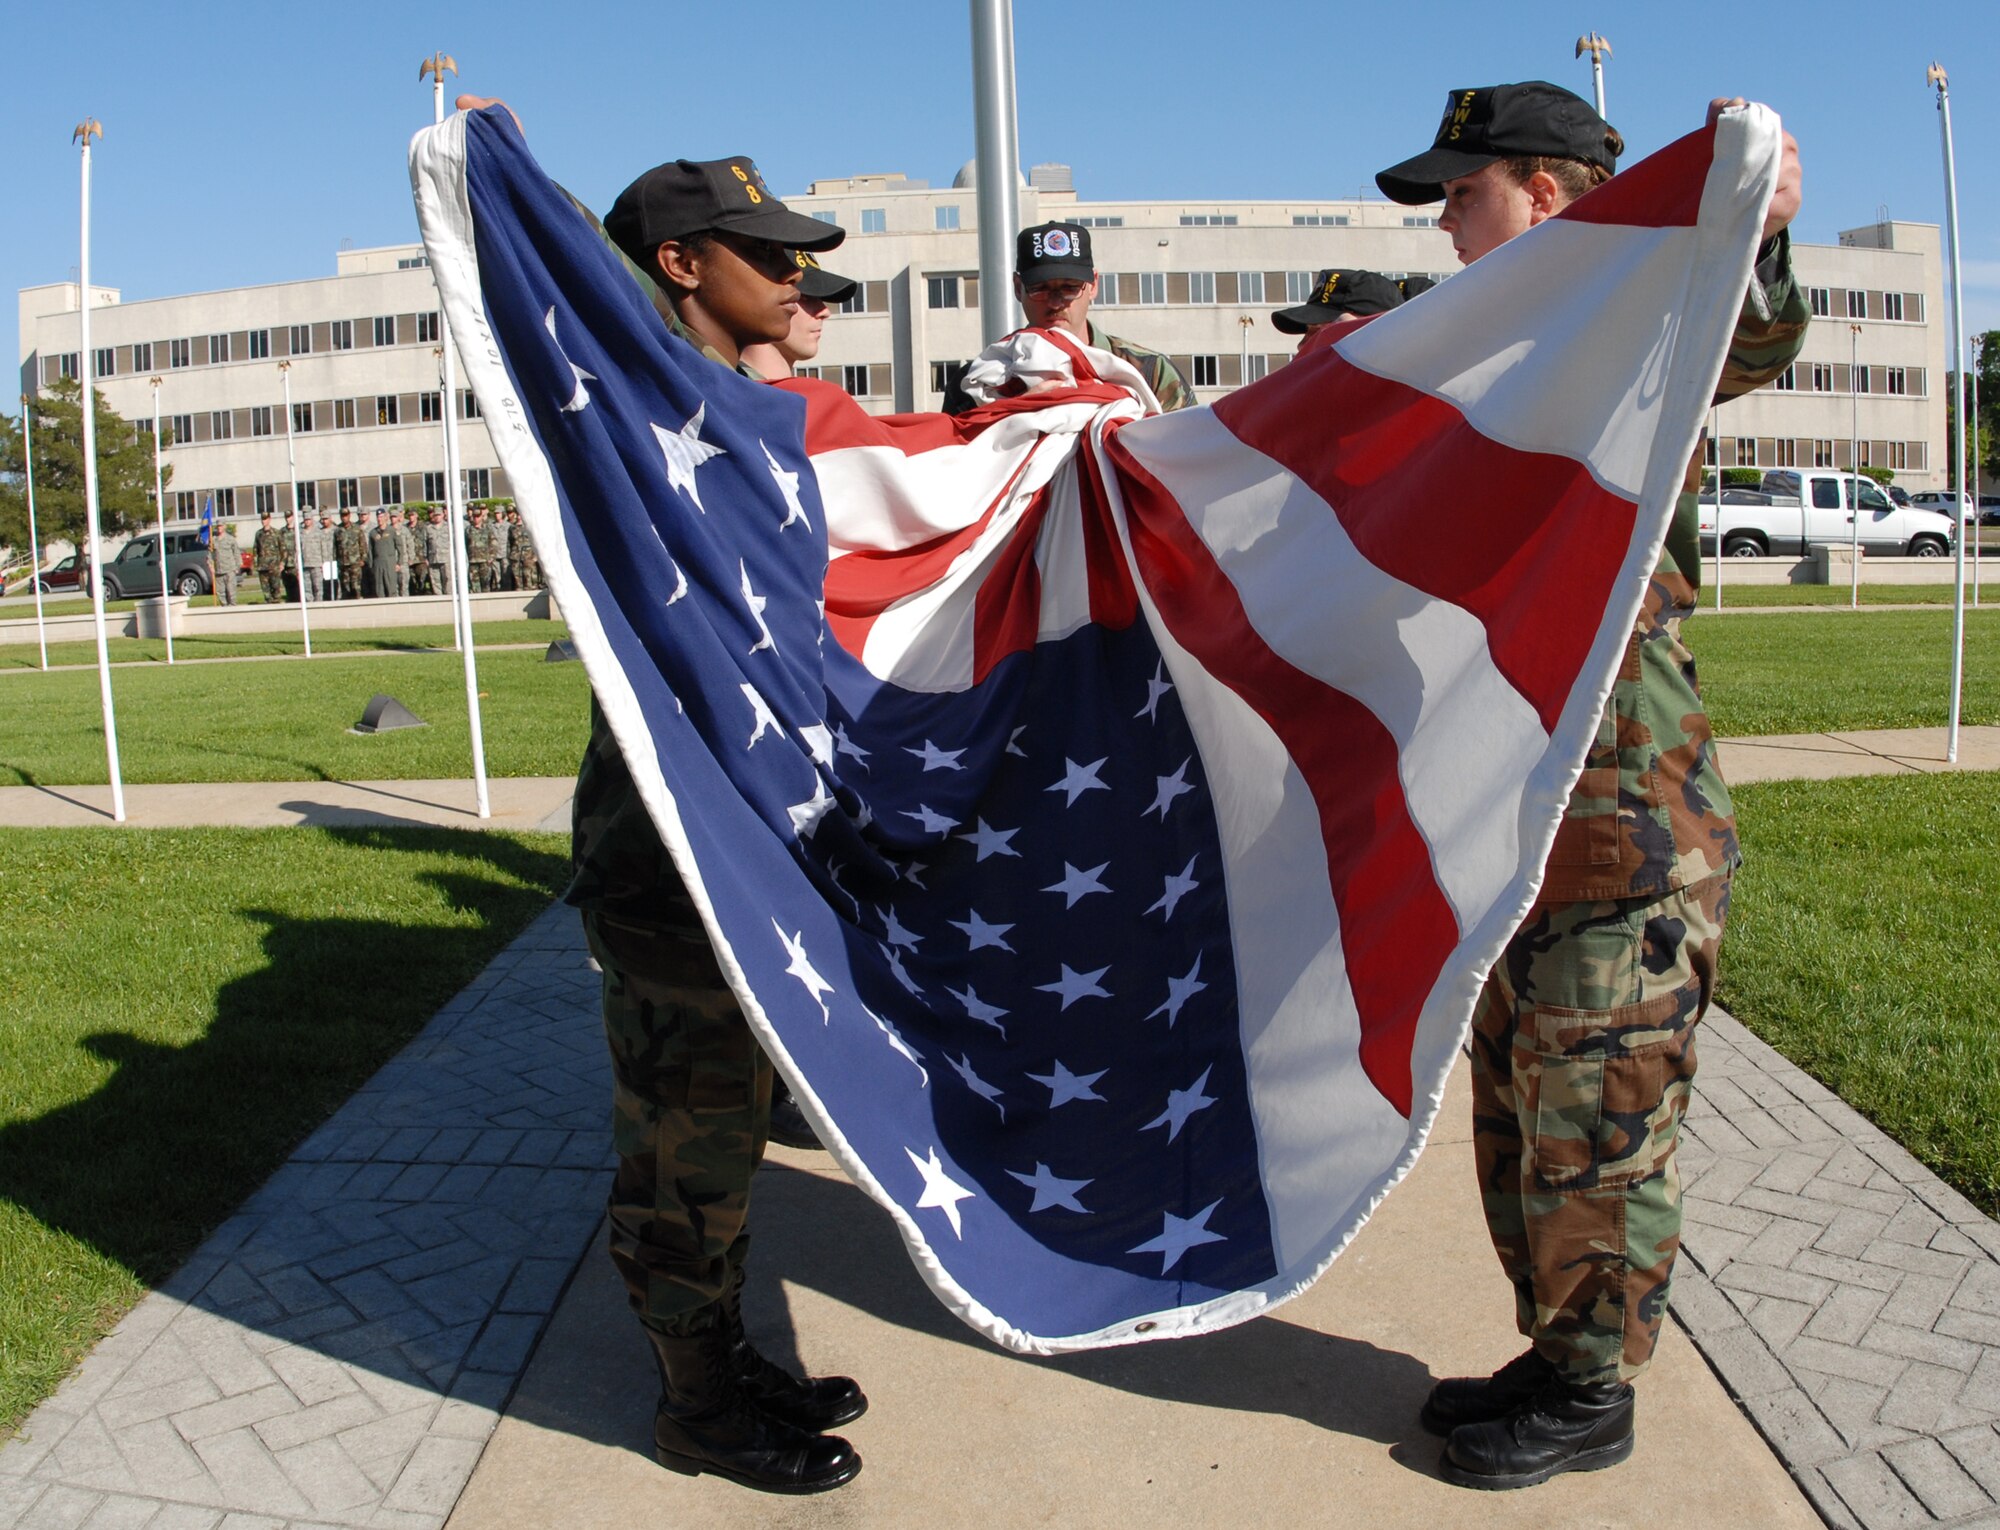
x: 1863, y: 752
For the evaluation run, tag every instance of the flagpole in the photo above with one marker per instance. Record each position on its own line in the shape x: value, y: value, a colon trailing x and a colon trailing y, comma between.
x: 298, y: 542
x: 1936, y: 76
x: 454, y: 495
x: 1717, y: 440
x: 1599, y: 50
x: 160, y: 506
x: 1978, y: 345
x: 86, y: 130
x: 998, y: 156
x: 34, y: 536
x: 1854, y: 465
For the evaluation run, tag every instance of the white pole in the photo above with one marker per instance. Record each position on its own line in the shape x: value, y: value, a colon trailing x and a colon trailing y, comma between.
x: 1936, y: 76
x: 1716, y: 440
x: 34, y: 536
x: 998, y: 156
x: 454, y: 496
x: 1599, y: 50
x: 160, y: 507
x: 298, y: 542
x: 1854, y: 462
x: 1972, y: 454
x: 85, y: 131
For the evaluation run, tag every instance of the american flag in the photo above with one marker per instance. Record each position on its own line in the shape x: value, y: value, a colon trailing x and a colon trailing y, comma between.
x: 1107, y: 819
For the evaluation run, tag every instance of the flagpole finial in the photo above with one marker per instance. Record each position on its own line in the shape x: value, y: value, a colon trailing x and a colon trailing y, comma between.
x: 437, y: 66
x: 1935, y: 75
x: 91, y: 128
x: 1592, y: 43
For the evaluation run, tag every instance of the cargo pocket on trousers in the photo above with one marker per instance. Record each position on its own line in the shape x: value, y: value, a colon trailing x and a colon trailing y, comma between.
x: 1608, y: 1086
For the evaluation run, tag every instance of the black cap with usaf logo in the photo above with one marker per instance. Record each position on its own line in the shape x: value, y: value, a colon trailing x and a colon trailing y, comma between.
x: 690, y: 196
x: 820, y: 283
x: 1497, y: 122
x: 1053, y: 252
x: 1337, y: 295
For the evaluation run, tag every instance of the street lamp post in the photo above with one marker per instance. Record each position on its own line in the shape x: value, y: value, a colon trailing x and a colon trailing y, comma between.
x: 1599, y: 50
x: 86, y: 130
x: 1854, y: 462
x: 34, y: 535
x: 160, y: 508
x: 298, y: 541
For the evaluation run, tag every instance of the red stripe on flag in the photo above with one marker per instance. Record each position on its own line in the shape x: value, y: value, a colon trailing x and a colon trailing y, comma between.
x: 1114, y: 599
x: 1397, y: 929
x: 1662, y: 191
x: 1007, y: 610
x: 1517, y: 538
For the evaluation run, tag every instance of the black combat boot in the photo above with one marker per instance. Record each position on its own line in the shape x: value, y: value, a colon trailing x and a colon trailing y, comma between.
x: 1475, y: 1399
x: 1566, y: 1428
x: 707, y: 1423
x: 789, y: 1126
x: 811, y: 1403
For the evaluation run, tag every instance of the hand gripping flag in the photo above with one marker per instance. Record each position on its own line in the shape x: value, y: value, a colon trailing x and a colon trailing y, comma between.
x: 1106, y: 820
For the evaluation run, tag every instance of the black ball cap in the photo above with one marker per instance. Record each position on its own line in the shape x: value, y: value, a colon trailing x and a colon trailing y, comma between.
x: 1497, y: 122
x: 693, y: 196
x: 1051, y: 252
x: 1338, y: 294
x: 1414, y: 286
x: 818, y: 282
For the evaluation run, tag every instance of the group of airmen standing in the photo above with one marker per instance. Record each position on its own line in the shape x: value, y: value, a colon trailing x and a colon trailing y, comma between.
x: 398, y: 554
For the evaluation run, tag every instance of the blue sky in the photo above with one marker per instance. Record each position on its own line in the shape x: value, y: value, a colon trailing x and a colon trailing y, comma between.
x: 243, y: 143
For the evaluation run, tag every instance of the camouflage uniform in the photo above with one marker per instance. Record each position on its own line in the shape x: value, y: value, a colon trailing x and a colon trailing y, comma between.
x: 437, y: 552
x: 350, y: 548
x: 479, y: 554
x: 523, y: 564
x: 267, y: 555
x: 1161, y: 375
x: 406, y: 550
x: 420, y: 554
x: 225, y: 562
x: 308, y: 549
x: 503, y: 543
x: 1583, y: 1046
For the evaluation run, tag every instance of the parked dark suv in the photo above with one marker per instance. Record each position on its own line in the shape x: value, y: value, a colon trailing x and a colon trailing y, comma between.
x: 135, y: 572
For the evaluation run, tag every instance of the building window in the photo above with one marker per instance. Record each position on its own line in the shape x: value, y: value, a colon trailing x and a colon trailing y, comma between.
x: 222, y: 425
x: 306, y: 495
x: 1419, y: 221
x: 180, y: 430
x: 945, y: 375
x: 430, y: 407
x: 434, y: 488
x: 1857, y: 303
x: 1207, y: 371
x: 1822, y: 452
x: 341, y: 335
x: 1152, y: 287
x: 478, y: 483
x: 1107, y: 287
x: 1899, y: 455
x: 1822, y: 301
x: 343, y: 414
x: 812, y: 372
x: 1249, y: 286
x: 857, y: 302
x: 825, y: 217
x: 391, y: 486
x: 947, y: 218
x: 1098, y: 222
x: 1862, y: 379
x: 412, y: 262
x: 218, y: 349
x: 179, y: 354
x: 427, y: 328
x: 302, y: 339
x: 142, y: 356
x: 260, y: 345
x: 874, y: 220
x: 225, y: 504
x: 1208, y: 220
x: 260, y: 420
x: 266, y: 495
x: 104, y: 361
x: 1895, y: 380
x: 348, y: 491
x: 1299, y: 286
x: 1746, y: 451
x: 1788, y: 380
x: 1822, y: 377
x: 184, y: 505
x: 385, y: 329
x: 1260, y: 368
x: 855, y: 380
x: 1319, y: 220
x: 388, y: 409
x: 941, y: 291
x: 1201, y: 286
x: 66, y: 365
x: 302, y: 418
x: 1788, y: 452
x: 468, y: 404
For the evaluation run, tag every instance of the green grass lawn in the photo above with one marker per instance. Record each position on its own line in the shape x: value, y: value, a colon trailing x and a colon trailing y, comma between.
x: 1862, y: 944
x: 287, y: 720
x: 1744, y: 595
x: 1814, y: 671
x: 246, y: 645
x: 181, y: 1008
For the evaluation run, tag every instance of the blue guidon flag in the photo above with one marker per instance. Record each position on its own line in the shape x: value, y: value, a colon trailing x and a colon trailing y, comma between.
x: 1106, y: 819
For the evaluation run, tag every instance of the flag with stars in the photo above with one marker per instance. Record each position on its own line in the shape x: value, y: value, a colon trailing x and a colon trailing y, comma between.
x: 1106, y: 819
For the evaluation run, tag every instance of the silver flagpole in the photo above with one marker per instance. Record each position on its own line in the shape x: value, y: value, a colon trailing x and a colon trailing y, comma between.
x: 85, y: 131
x: 1599, y: 50
x: 34, y: 536
x: 998, y: 156
x: 454, y: 493
x: 1972, y: 454
x: 1717, y: 440
x: 298, y: 542
x: 1936, y: 76
x: 1854, y: 464
x: 160, y: 507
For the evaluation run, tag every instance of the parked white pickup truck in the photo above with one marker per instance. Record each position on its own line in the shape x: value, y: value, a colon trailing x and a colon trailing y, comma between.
x: 1807, y: 510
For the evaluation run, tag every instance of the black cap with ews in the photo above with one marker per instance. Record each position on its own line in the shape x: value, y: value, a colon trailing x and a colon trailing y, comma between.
x: 1340, y: 294
x: 1497, y: 122
x: 1053, y: 252
x: 690, y: 196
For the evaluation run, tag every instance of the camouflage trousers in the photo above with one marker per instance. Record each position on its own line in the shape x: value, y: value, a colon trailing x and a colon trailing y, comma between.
x: 691, y: 1101
x: 225, y: 589
x: 350, y: 581
x: 273, y: 583
x: 1583, y: 1057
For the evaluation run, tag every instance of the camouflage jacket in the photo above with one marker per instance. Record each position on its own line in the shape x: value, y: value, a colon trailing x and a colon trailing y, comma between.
x: 1161, y: 375
x: 406, y: 543
x: 437, y: 542
x: 268, y: 552
x: 223, y: 553
x: 1651, y: 812
x: 350, y: 545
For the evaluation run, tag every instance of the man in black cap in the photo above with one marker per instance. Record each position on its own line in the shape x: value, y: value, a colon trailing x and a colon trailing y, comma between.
x: 1414, y: 285
x: 1056, y: 281
x: 819, y: 290
x: 1583, y: 1053
x: 1339, y: 294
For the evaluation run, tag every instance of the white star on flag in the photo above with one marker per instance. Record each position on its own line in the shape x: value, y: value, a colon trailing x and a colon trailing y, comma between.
x: 1182, y: 1103
x: 806, y: 815
x: 1050, y: 1190
x: 845, y: 745
x: 980, y: 933
x: 1156, y: 687
x: 680, y: 582
x: 1014, y: 741
x: 1065, y: 1086
x: 894, y: 932
x: 1177, y: 888
x: 756, y: 603
x: 895, y: 1038
x: 760, y: 711
x: 1179, y: 1235
x: 941, y: 1192
x: 788, y: 485
x: 1078, y: 884
x: 934, y: 823
x: 818, y: 742
x: 991, y: 841
x: 1078, y: 779
x: 1179, y: 991
x: 899, y: 972
x: 581, y: 396
x: 1170, y: 787
x: 1076, y: 985
x: 979, y: 1009
x: 685, y: 452
x: 802, y: 969
x: 978, y: 1085
x: 935, y: 758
